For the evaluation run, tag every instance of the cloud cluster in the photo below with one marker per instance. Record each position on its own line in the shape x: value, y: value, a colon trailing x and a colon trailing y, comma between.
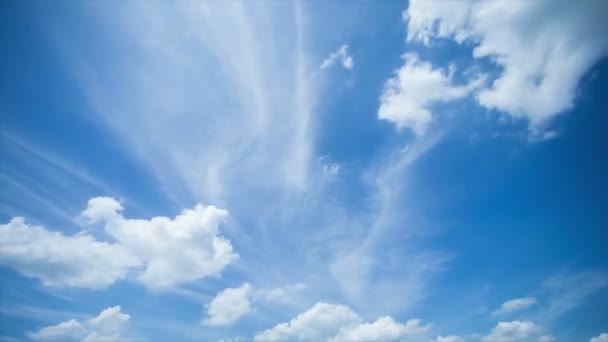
x: 163, y: 251
x: 229, y: 305
x: 540, y: 48
x: 107, y: 326
x: 331, y: 322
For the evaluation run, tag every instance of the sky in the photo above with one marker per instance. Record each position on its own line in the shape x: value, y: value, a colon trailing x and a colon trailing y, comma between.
x: 422, y: 171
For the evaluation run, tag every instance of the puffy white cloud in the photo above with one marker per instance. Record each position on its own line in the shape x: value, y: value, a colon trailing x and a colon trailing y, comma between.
x: 542, y: 47
x: 228, y: 306
x: 515, y: 305
x: 107, y: 326
x: 408, y: 97
x: 515, y: 331
x: 178, y: 250
x: 331, y: 322
x: 60, y: 260
x: 341, y: 55
x: 384, y: 329
x: 603, y: 337
x: 321, y: 322
x: 163, y: 251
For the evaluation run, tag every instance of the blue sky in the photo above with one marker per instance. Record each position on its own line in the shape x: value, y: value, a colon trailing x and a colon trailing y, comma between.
x: 339, y: 171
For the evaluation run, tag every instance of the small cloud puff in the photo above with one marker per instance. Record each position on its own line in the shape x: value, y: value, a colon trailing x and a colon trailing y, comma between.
x: 340, y: 55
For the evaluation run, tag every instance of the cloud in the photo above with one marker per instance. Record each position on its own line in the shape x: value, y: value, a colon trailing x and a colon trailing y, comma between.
x: 278, y: 294
x: 185, y: 248
x: 515, y: 305
x: 603, y: 337
x: 515, y: 331
x: 341, y: 55
x: 168, y: 251
x: 228, y: 306
x: 384, y: 329
x: 331, y: 322
x: 107, y: 326
x: 567, y: 291
x: 542, y: 48
x: 451, y: 338
x: 60, y: 260
x: 408, y: 97
x: 374, y: 271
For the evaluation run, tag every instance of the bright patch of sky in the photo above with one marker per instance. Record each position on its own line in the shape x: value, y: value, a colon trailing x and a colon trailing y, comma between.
x: 327, y: 171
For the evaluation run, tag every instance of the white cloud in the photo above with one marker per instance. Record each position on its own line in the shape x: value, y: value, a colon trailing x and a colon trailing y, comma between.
x: 174, y: 251
x: 107, y: 326
x: 331, y: 322
x: 170, y: 251
x: 603, y: 337
x: 515, y: 331
x: 542, y: 47
x: 452, y: 338
x: 321, y: 322
x: 60, y: 260
x: 229, y: 306
x: 384, y: 329
x: 408, y: 97
x: 341, y: 55
x: 515, y: 305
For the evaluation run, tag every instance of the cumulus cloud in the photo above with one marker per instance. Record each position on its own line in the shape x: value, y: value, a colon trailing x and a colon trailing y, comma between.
x: 542, y: 48
x: 407, y: 98
x: 162, y: 251
x: 107, y: 326
x: 603, y: 337
x: 228, y: 306
x: 383, y: 329
x: 515, y: 305
x: 331, y: 322
x: 178, y: 250
x: 61, y: 260
x: 340, y: 55
x: 516, y: 331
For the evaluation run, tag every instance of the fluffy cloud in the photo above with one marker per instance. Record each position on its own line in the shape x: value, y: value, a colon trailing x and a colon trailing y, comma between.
x: 407, y: 98
x: 60, y: 260
x: 178, y: 250
x: 515, y: 305
x: 383, y: 329
x: 163, y: 251
x: 543, y: 48
x: 340, y: 55
x: 107, y: 326
x: 330, y: 322
x: 601, y: 338
x: 228, y: 306
x: 516, y: 331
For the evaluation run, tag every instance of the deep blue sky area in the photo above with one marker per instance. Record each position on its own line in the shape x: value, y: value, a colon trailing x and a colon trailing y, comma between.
x: 304, y: 171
